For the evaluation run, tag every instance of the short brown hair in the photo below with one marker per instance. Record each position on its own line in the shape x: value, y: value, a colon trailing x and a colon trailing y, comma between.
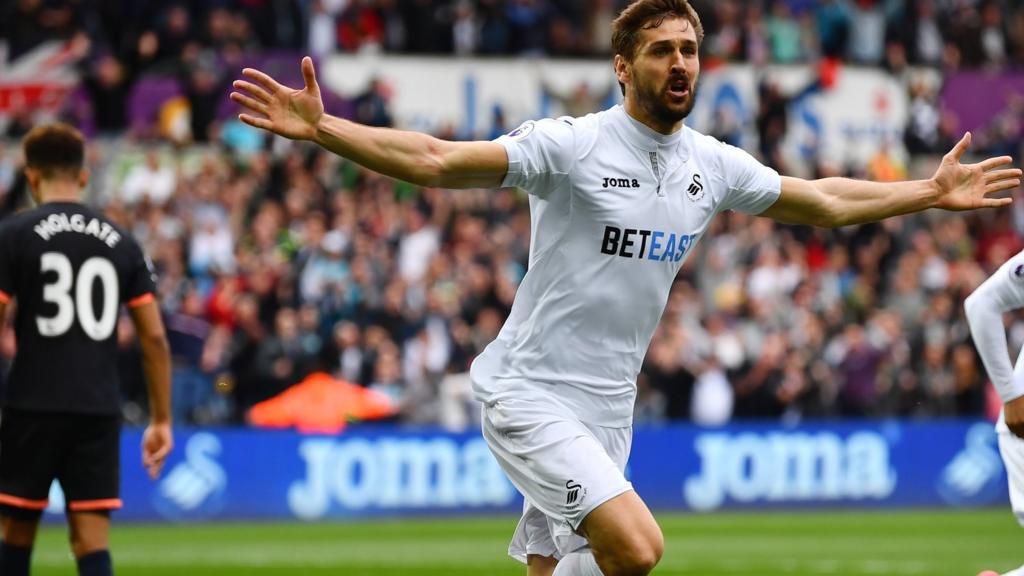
x: 54, y: 149
x: 645, y: 14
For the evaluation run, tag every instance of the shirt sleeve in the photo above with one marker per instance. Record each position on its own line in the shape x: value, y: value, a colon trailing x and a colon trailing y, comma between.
x: 140, y: 285
x: 752, y: 186
x: 1003, y: 291
x: 540, y: 155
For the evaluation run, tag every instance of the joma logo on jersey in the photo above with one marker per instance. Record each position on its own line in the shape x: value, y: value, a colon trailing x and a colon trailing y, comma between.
x: 573, y: 493
x: 646, y: 244
x: 620, y: 183
x: 696, y: 189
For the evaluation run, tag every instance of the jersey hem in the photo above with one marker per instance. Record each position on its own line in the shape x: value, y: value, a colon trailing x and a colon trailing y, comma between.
x: 141, y: 300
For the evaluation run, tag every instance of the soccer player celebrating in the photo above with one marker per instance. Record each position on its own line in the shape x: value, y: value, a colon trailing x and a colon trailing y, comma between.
x: 1003, y: 291
x: 618, y: 200
x: 69, y: 269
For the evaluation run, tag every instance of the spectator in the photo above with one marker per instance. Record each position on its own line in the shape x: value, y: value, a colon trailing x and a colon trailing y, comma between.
x: 371, y: 107
x: 858, y: 367
x: 151, y: 181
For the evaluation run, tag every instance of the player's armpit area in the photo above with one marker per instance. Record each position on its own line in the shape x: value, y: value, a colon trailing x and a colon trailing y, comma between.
x: 140, y: 300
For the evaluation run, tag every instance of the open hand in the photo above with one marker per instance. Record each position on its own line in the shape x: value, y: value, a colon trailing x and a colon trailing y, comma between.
x: 282, y: 110
x: 968, y: 186
x: 157, y: 442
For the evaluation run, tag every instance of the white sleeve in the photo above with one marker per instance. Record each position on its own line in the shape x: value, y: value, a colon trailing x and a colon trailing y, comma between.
x: 1003, y: 291
x: 752, y: 186
x: 540, y: 155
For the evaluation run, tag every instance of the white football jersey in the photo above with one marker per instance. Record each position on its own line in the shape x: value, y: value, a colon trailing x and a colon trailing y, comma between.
x: 615, y: 208
x: 1002, y: 291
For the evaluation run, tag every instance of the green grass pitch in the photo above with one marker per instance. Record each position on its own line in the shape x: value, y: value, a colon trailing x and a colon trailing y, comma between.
x: 758, y: 544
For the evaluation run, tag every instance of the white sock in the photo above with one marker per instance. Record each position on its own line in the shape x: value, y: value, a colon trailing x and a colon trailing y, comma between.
x: 1017, y: 572
x: 580, y: 563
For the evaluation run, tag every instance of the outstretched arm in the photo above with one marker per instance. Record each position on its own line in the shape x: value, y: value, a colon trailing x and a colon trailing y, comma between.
x: 832, y: 202
x: 411, y: 156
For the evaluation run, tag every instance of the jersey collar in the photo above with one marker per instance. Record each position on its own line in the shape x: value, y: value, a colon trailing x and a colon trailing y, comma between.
x: 643, y: 137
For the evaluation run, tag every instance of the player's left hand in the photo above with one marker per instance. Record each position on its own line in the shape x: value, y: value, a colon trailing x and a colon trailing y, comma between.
x: 1013, y: 412
x: 157, y: 442
x: 968, y: 186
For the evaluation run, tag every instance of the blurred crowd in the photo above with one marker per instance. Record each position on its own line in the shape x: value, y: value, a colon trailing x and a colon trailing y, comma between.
x: 292, y: 260
x: 277, y: 259
x: 144, y: 33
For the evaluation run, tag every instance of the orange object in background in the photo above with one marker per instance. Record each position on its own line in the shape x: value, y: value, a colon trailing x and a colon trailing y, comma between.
x: 321, y: 404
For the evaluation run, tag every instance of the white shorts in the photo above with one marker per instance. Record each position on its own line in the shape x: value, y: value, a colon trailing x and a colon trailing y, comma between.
x: 1012, y: 450
x: 563, y: 467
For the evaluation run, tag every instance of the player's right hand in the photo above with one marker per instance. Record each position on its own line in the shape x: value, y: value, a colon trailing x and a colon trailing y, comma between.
x: 157, y: 442
x: 291, y: 113
x: 1013, y: 412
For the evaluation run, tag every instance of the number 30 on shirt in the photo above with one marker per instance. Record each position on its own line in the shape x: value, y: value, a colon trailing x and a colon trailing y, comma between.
x: 59, y: 293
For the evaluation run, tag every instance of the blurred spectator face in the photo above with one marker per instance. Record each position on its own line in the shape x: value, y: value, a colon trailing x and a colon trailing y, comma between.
x: 247, y: 310
x: 193, y: 305
x: 346, y: 335
x: 963, y: 358
x: 177, y: 20
x: 152, y: 159
x: 314, y: 229
x: 414, y: 219
x: 990, y: 15
x: 854, y: 336
x: 375, y: 336
x: 286, y: 324
x: 394, y: 297
x: 388, y: 367
x: 663, y: 74
x: 109, y: 71
x: 261, y: 281
x: 309, y: 319
x: 935, y: 354
x: 489, y: 321
x: 219, y: 23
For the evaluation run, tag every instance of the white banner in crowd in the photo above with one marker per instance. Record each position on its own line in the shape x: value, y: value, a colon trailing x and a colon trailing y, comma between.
x: 845, y: 124
x: 431, y: 94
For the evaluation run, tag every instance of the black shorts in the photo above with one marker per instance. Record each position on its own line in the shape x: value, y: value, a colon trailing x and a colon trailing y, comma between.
x: 81, y: 451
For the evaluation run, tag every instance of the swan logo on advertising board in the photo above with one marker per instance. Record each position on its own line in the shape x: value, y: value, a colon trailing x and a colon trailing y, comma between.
x: 397, y: 473
x: 975, y: 474
x: 195, y: 487
x: 789, y: 467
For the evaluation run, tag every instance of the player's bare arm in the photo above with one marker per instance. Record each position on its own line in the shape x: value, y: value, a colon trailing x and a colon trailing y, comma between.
x: 832, y: 202
x: 157, y: 440
x: 411, y: 156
